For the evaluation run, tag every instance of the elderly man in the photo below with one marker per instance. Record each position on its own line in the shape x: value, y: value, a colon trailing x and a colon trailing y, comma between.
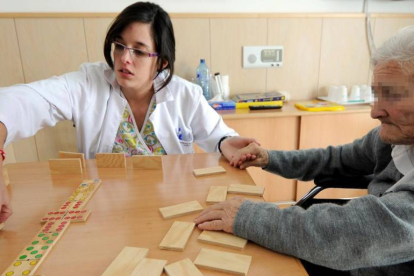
x: 370, y: 235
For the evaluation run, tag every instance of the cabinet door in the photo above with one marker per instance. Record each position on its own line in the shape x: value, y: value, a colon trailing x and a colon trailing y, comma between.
x: 273, y: 133
x: 320, y: 131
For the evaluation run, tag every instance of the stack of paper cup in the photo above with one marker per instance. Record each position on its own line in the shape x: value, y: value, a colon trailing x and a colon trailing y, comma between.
x: 338, y: 94
x: 355, y: 93
x: 366, y: 93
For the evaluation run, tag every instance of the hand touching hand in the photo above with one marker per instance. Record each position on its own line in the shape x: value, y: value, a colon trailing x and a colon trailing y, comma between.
x: 5, y: 208
x: 230, y: 145
x: 252, y: 155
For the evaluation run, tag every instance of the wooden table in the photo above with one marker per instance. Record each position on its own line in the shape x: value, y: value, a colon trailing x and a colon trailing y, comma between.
x: 124, y: 213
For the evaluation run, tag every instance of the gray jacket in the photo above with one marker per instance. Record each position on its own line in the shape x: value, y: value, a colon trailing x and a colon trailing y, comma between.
x: 370, y: 235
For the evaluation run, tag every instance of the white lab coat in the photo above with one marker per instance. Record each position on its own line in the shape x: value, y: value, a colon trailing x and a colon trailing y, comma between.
x: 91, y: 98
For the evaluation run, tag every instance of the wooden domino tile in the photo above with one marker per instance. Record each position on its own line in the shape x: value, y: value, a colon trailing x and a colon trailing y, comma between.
x: 36, y: 251
x: 6, y: 176
x: 53, y: 215
x: 223, y: 261
x: 77, y: 216
x: 182, y: 268
x: 54, y: 227
x: 208, y: 171
x: 147, y: 162
x: 245, y: 189
x: 149, y: 267
x: 223, y: 239
x: 180, y: 209
x: 178, y: 235
x: 66, y: 154
x: 216, y: 194
x: 81, y: 195
x: 65, y: 166
x: 110, y: 160
x: 126, y: 261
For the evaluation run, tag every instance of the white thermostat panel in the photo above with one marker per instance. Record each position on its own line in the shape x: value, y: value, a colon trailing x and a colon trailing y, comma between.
x: 262, y: 56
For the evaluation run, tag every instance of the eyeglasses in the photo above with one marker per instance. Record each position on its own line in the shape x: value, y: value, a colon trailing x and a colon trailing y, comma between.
x: 119, y: 48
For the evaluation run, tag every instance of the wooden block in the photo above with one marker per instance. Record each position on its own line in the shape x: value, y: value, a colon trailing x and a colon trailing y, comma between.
x: 66, y: 154
x: 208, y: 171
x: 216, y: 194
x: 35, y: 252
x: 6, y: 176
x: 149, y: 267
x: 223, y: 239
x: 182, y: 268
x: 65, y: 166
x: 110, y: 160
x: 77, y: 216
x: 1, y: 225
x: 223, y: 261
x: 53, y: 216
x: 81, y: 196
x: 147, y: 162
x: 178, y: 236
x: 245, y: 189
x: 126, y: 261
x: 180, y: 209
x: 54, y: 226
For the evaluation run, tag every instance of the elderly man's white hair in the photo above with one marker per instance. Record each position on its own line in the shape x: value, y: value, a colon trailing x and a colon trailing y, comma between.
x: 399, y: 48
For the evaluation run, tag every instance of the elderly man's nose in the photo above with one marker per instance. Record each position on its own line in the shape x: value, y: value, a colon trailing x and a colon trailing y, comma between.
x: 378, y: 111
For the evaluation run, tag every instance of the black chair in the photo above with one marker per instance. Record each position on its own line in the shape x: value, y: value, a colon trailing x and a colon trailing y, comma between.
x: 333, y: 181
x: 322, y: 183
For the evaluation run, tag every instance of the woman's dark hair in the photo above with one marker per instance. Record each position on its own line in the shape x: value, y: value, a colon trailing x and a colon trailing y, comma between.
x: 162, y: 33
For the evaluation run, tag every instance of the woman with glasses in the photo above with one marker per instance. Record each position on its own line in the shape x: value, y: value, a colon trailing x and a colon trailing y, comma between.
x: 131, y: 104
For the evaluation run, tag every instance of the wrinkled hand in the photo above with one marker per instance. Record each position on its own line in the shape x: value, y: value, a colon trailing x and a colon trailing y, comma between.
x: 5, y: 207
x: 220, y: 216
x: 252, y: 155
x: 231, y: 145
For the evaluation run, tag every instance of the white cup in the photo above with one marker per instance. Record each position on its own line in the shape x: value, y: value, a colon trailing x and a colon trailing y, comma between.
x: 355, y: 93
x: 332, y: 93
x: 343, y: 94
x: 367, y: 94
x: 226, y: 87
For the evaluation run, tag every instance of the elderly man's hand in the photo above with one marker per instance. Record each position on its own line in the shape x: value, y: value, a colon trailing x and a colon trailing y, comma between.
x: 231, y: 145
x: 220, y: 216
x: 252, y: 155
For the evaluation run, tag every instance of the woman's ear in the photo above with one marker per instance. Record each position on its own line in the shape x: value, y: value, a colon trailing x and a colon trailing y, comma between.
x: 163, y: 66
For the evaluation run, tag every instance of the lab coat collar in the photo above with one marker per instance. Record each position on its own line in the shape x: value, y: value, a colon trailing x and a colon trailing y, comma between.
x: 164, y: 95
x: 403, y: 157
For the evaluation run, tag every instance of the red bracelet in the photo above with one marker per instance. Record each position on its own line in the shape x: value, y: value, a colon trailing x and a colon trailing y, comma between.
x: 3, y: 154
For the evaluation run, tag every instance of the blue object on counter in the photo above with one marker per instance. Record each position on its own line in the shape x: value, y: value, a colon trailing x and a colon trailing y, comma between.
x: 224, y: 105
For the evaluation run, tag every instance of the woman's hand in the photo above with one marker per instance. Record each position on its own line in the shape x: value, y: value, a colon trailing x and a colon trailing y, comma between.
x: 252, y: 155
x: 5, y: 207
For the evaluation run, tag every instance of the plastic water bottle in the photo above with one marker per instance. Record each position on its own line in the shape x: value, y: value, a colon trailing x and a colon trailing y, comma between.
x: 203, y: 78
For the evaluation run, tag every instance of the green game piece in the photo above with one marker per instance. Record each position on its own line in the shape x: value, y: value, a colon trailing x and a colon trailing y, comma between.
x: 34, y: 252
x: 45, y: 238
x: 38, y: 256
x: 41, y: 235
x: 35, y: 242
x: 55, y: 234
x: 49, y: 241
x: 22, y: 257
x: 30, y: 248
x: 45, y: 247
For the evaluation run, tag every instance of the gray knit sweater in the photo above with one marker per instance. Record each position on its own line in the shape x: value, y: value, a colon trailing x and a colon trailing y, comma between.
x: 370, y: 235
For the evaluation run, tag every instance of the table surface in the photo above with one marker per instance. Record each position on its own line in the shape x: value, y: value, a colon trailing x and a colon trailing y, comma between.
x: 125, y: 212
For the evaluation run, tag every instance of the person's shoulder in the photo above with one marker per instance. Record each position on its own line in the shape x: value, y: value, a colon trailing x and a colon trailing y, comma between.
x: 184, y: 88
x: 94, y: 67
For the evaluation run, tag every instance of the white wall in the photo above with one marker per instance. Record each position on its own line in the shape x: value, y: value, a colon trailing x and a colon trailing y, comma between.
x: 212, y: 6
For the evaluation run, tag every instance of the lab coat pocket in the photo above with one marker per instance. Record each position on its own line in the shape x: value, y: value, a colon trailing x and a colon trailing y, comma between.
x: 187, y: 146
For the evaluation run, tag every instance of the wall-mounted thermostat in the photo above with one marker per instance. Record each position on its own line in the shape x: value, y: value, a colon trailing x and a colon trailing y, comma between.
x: 262, y: 56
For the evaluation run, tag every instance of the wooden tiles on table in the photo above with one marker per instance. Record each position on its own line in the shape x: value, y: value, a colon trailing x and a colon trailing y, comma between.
x: 36, y: 251
x: 149, y: 267
x: 126, y: 261
x: 216, y: 194
x: 6, y: 176
x: 223, y: 261
x: 147, y: 162
x: 65, y: 166
x: 182, y: 268
x: 245, y: 189
x: 81, y: 196
x: 223, y: 239
x: 208, y: 171
x: 72, y: 216
x: 110, y: 160
x: 67, y: 154
x: 178, y: 235
x: 180, y: 209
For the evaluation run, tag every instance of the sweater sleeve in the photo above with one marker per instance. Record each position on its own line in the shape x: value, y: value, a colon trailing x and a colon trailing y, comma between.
x: 368, y: 231
x: 357, y: 158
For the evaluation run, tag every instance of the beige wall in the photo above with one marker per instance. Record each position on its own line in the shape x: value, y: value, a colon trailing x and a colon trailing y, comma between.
x: 320, y: 50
